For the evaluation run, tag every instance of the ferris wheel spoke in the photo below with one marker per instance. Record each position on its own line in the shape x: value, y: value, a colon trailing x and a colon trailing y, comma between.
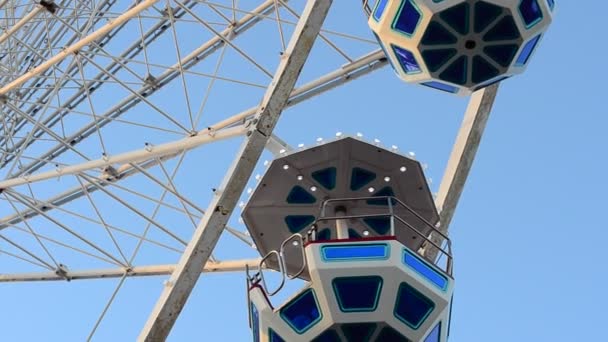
x: 15, y: 256
x: 167, y: 231
x: 13, y: 225
x: 227, y: 41
x: 321, y: 35
x: 104, y: 224
x: 65, y: 245
x: 31, y: 230
x: 180, y: 65
x: 32, y: 255
x: 19, y: 198
x: 107, y: 306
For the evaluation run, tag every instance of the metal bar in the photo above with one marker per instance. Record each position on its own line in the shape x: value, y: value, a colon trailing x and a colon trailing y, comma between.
x: 183, y: 280
x: 23, y: 21
x: 277, y: 146
x: 137, y: 271
x: 104, y: 30
x: 73, y: 101
x: 147, y: 153
x: 461, y: 159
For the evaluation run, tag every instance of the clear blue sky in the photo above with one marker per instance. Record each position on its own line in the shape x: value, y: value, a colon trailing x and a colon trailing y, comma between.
x: 529, y: 233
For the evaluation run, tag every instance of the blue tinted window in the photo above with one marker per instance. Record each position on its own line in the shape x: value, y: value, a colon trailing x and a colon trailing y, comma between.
x: 358, y: 331
x: 296, y: 223
x: 483, y: 70
x: 357, y: 294
x: 505, y: 29
x: 437, y: 34
x: 326, y: 177
x: 380, y: 7
x: 352, y: 234
x: 526, y: 52
x: 324, y: 235
x: 406, y: 60
x: 390, y: 60
x: 298, y: 195
x: 425, y: 270
x: 407, y: 18
x: 360, y: 177
x: 502, y: 54
x: 302, y: 312
x: 354, y: 252
x: 457, y: 17
x: 435, y: 59
x: 551, y: 3
x: 384, y: 192
x: 389, y: 334
x: 382, y: 225
x: 412, y: 307
x: 274, y: 337
x: 329, y: 335
x: 255, y: 329
x: 435, y: 334
x: 530, y: 11
x: 457, y: 72
x: 441, y: 86
x: 485, y: 14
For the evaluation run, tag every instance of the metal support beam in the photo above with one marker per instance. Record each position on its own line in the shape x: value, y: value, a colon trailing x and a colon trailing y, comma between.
x: 22, y: 22
x: 101, y: 32
x: 277, y: 146
x: 147, y: 153
x: 183, y: 280
x: 462, y: 157
x: 138, y: 271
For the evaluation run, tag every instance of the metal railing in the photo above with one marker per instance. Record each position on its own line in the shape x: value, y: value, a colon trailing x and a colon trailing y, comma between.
x: 392, y: 203
x: 367, y: 8
x: 258, y: 277
x: 395, y: 221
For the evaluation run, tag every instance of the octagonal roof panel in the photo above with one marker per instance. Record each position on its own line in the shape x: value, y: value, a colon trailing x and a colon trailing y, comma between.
x: 289, y: 196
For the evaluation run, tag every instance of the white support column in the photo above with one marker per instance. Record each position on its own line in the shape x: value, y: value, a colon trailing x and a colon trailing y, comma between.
x: 341, y: 224
x: 461, y: 159
x: 183, y: 279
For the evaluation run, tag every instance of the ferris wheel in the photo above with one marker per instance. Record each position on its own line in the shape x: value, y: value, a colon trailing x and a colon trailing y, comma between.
x: 134, y: 133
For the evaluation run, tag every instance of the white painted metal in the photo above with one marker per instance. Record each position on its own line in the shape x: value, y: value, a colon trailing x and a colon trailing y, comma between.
x: 70, y: 50
x: 462, y: 158
x: 147, y: 153
x: 22, y: 22
x: 139, y: 271
x: 205, y: 237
